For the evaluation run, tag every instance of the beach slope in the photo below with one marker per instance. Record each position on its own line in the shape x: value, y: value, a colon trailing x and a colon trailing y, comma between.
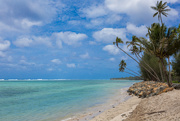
x: 115, y: 113
x: 163, y: 107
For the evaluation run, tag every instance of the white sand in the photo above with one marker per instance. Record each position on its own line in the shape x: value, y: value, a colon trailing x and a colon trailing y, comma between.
x: 163, y: 107
x: 119, y: 112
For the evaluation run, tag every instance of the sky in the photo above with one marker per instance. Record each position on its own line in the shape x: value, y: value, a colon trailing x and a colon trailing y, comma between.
x: 72, y: 39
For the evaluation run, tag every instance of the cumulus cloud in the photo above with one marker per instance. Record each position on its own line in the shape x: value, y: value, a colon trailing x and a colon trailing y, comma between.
x: 94, y: 11
x: 85, y: 56
x: 70, y: 38
x: 138, y: 31
x: 23, y: 14
x: 108, y: 35
x: 71, y: 65
x: 59, y: 43
x: 34, y: 40
x: 4, y: 44
x: 56, y: 61
x: 23, y: 42
x: 113, y: 18
x: 138, y: 10
x: 111, y: 49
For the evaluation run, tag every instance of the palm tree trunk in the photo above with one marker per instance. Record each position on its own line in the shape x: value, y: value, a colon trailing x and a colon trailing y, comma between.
x: 149, y: 77
x: 161, y: 19
x: 162, y: 77
x: 137, y: 62
x: 164, y: 69
x: 169, y: 71
x: 149, y: 67
x: 133, y: 71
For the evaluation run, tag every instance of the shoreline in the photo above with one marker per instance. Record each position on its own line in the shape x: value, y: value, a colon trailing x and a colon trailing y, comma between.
x: 162, y: 107
x: 120, y: 112
x: 118, y: 98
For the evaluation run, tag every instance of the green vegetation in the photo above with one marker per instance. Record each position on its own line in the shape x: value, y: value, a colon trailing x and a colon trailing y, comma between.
x: 151, y: 54
x: 127, y: 78
x: 176, y: 68
x: 152, y: 61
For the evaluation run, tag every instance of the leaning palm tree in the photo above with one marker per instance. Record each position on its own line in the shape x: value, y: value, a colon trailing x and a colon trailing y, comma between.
x: 136, y: 51
x: 119, y: 41
x: 161, y: 8
x: 122, y: 67
x: 161, y: 43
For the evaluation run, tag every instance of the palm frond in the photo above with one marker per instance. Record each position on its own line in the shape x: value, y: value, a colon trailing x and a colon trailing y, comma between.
x: 155, y: 14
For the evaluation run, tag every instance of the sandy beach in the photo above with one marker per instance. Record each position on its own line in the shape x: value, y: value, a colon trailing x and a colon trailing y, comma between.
x: 163, y: 107
x: 119, y: 112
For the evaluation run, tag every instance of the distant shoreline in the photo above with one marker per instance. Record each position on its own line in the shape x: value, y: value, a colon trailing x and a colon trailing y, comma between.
x: 126, y: 78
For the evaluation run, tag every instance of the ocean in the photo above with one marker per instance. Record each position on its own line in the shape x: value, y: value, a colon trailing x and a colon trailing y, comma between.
x: 37, y: 100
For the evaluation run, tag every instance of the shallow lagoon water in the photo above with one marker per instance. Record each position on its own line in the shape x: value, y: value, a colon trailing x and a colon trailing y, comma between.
x: 53, y: 99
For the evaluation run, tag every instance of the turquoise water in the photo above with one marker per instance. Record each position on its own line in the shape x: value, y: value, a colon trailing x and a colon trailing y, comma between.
x: 53, y: 99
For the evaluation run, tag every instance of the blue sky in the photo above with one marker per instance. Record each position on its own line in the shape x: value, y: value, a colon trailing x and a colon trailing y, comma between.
x: 72, y: 39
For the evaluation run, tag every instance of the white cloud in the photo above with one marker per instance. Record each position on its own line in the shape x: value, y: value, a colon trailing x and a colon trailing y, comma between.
x: 94, y: 11
x: 108, y: 35
x: 22, y: 14
x: 138, y: 31
x: 85, y: 56
x: 70, y: 38
x: 4, y: 44
x: 59, y: 43
x: 113, y: 18
x: 23, y: 42
x: 56, y: 61
x: 71, y: 65
x: 112, y: 59
x: 135, y: 11
x: 28, y: 23
x: 112, y: 49
x: 138, y: 10
x: 42, y: 40
x: 34, y: 40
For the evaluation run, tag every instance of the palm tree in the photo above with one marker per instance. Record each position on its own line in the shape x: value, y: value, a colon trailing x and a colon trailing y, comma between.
x: 171, y: 45
x: 122, y: 67
x: 161, y: 9
x: 162, y: 44
x: 135, y: 50
x: 119, y: 41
